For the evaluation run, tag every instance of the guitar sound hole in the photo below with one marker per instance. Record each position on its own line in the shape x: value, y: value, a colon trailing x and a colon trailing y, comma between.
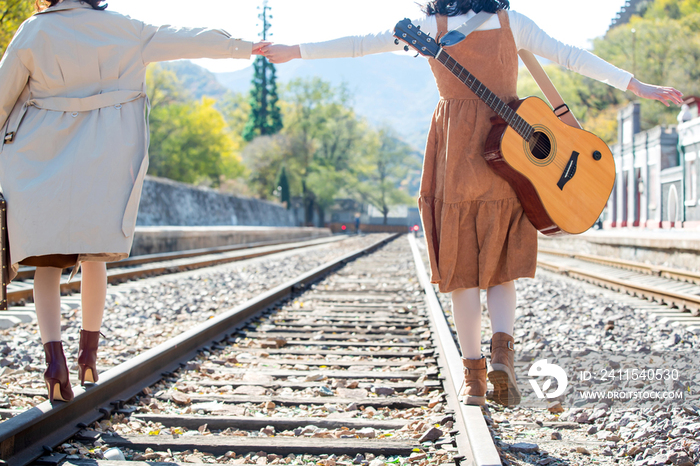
x: 540, y: 145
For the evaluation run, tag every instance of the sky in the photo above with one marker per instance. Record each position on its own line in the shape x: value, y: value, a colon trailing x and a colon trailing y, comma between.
x: 296, y: 21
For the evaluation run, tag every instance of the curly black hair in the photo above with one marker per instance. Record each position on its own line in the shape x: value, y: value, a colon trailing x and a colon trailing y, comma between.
x: 460, y: 7
x: 43, y: 4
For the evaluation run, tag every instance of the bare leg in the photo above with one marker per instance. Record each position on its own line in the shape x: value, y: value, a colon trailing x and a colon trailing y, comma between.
x: 466, y: 309
x: 501, y: 302
x: 93, y: 292
x: 47, y: 299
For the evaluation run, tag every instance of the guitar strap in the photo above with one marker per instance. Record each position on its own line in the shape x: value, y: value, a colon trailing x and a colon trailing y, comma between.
x: 561, y: 110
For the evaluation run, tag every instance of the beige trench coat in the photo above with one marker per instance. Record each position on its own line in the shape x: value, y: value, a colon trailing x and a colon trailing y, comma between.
x: 73, y: 115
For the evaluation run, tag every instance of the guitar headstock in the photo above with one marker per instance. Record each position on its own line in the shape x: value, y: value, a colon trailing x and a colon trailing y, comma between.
x: 407, y: 32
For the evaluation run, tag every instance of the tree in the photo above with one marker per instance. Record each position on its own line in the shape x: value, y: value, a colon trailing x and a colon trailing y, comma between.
x: 319, y: 117
x: 264, y: 159
x: 163, y: 86
x: 12, y: 14
x: 265, y: 117
x: 283, y: 188
x: 235, y: 108
x: 674, y: 9
x: 190, y: 142
x: 387, y: 162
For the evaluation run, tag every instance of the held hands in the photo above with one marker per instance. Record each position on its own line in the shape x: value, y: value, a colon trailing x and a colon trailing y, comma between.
x: 660, y: 93
x: 278, y: 53
x: 257, y: 47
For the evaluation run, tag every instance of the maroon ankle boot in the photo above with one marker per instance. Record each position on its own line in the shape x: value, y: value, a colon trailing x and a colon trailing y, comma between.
x: 87, y: 356
x: 56, y: 374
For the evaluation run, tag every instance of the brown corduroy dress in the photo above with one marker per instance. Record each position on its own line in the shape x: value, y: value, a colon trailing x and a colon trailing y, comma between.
x: 476, y: 230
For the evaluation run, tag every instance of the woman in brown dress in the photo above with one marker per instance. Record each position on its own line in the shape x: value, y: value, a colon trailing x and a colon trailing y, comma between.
x: 477, y: 233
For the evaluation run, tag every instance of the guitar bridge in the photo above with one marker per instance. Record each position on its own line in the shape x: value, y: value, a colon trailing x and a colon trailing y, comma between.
x: 569, y: 171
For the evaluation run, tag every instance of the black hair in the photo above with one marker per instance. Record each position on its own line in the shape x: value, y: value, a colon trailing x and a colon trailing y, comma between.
x: 43, y: 4
x: 460, y: 7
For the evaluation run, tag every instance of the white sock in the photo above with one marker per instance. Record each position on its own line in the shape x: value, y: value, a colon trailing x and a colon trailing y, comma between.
x: 501, y: 302
x: 466, y: 309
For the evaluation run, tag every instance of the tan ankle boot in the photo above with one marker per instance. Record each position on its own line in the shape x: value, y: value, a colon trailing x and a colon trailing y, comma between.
x: 474, y: 386
x: 502, y: 374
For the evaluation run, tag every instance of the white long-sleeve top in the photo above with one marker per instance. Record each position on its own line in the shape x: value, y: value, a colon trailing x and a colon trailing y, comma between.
x: 526, y: 33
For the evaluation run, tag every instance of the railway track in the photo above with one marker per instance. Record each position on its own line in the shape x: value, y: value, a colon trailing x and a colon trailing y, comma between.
x: 132, y: 268
x: 351, y: 363
x: 673, y: 287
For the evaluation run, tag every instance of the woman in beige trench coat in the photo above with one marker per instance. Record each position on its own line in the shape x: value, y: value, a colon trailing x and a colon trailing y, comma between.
x: 74, y: 152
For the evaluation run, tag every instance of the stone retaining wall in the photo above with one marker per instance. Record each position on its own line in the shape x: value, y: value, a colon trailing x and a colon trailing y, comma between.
x: 169, y: 203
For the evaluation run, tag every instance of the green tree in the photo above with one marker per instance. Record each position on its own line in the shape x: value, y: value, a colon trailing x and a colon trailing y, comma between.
x: 386, y: 163
x: 235, y: 108
x: 265, y: 117
x: 264, y: 159
x: 12, y: 14
x: 283, y: 188
x: 328, y: 133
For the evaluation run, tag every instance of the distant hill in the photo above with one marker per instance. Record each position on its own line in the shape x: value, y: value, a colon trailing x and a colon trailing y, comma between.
x: 197, y: 80
x: 388, y: 89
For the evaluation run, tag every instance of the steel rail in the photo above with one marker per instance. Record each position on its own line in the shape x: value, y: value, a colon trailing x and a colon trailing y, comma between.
x: 23, y: 438
x: 250, y: 251
x: 658, y: 270
x: 680, y: 300
x: 25, y: 273
x: 477, y: 445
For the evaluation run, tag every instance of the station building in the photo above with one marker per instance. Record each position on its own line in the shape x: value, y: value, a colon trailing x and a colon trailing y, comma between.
x: 658, y: 172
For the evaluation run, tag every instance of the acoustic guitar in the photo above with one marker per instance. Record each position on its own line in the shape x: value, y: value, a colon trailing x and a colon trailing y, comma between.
x: 563, y: 176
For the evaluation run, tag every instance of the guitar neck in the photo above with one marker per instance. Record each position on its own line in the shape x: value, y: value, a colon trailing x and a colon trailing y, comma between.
x: 489, y: 98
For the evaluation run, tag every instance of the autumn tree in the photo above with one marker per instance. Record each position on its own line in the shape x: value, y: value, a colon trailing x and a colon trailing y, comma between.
x: 190, y: 140
x: 12, y: 14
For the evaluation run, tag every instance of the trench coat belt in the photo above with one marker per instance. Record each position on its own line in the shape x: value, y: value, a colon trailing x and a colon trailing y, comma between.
x: 75, y: 105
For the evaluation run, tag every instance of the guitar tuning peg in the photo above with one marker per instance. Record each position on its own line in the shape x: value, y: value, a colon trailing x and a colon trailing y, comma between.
x: 405, y: 48
x: 396, y: 41
x: 418, y: 27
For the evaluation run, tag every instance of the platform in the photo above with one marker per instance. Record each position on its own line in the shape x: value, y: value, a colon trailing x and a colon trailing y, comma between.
x: 155, y: 240
x: 674, y: 248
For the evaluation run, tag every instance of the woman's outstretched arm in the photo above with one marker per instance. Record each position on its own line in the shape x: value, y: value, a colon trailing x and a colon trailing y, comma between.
x: 530, y: 37
x: 350, y: 46
x: 165, y: 43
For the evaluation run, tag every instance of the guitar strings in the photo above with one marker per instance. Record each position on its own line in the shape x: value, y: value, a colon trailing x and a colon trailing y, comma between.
x: 539, y: 145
